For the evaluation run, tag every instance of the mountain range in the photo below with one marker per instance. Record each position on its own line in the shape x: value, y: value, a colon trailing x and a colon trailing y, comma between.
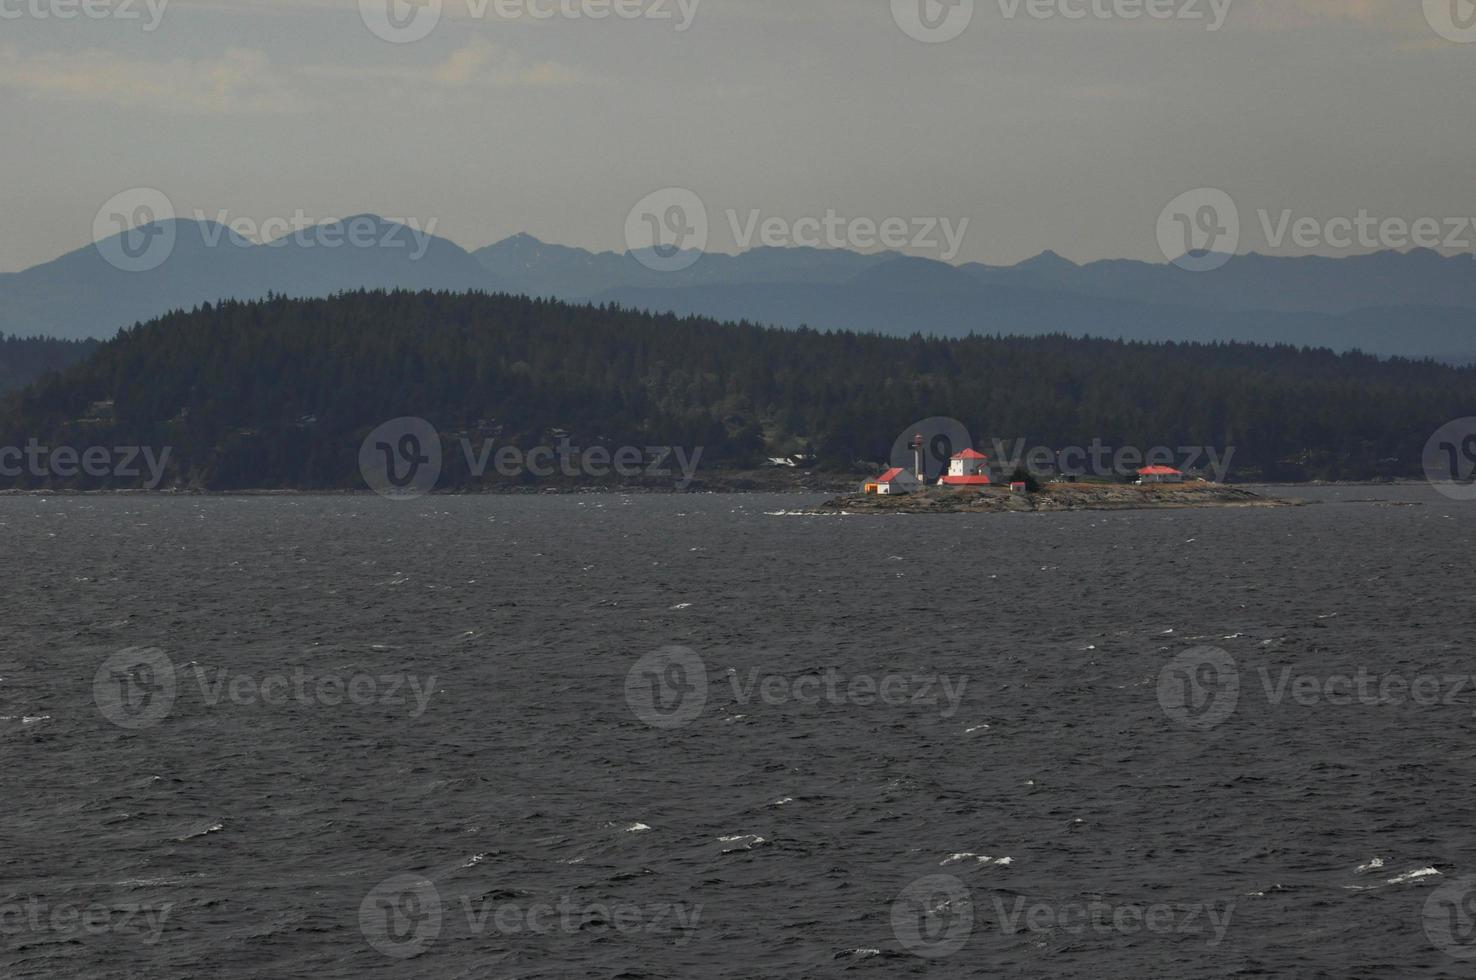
x: 1417, y: 304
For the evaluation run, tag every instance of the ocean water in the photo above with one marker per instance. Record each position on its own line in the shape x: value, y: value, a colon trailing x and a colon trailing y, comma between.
x: 698, y: 736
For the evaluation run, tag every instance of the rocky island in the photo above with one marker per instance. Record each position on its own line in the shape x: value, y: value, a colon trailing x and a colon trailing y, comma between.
x: 1053, y: 497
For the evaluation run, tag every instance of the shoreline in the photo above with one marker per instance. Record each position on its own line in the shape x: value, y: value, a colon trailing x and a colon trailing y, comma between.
x: 802, y: 483
x: 1059, y: 498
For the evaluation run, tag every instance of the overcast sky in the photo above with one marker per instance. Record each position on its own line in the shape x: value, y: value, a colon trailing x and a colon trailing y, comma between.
x: 1044, y: 131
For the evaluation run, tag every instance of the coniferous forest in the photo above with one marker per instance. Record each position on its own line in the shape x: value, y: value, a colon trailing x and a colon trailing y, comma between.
x: 281, y: 393
x: 24, y: 359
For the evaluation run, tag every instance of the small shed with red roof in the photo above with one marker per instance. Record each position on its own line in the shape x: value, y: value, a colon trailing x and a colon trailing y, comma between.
x: 1160, y: 474
x: 893, y: 482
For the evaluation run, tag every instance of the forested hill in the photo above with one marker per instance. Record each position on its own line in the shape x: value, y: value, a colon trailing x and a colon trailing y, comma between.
x: 281, y: 393
x: 24, y: 359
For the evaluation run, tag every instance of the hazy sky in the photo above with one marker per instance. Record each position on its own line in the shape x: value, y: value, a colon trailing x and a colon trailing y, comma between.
x: 1043, y: 129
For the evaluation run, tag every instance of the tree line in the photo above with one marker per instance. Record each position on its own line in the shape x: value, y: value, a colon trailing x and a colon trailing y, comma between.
x: 280, y: 393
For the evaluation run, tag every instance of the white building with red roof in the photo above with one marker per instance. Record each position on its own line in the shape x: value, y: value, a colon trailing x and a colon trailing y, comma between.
x: 892, y: 483
x: 969, y: 468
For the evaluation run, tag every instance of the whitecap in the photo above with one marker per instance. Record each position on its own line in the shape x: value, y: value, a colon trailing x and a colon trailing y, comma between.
x: 1415, y: 875
x: 474, y: 860
x: 33, y: 719
x: 637, y: 828
x: 214, y: 828
x: 976, y: 728
x: 1373, y: 865
x: 682, y: 605
x: 749, y: 841
x: 979, y: 859
x: 787, y: 799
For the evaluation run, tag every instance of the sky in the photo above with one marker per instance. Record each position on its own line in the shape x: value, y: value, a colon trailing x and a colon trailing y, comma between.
x: 1021, y: 125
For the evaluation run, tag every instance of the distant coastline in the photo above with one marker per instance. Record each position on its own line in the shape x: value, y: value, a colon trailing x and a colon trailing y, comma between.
x: 1055, y: 498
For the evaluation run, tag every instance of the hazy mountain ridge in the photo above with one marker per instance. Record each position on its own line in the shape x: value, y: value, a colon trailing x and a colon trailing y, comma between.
x: 1416, y: 303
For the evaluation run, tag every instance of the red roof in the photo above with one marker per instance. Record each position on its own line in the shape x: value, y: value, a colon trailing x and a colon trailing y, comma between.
x: 1159, y: 471
x: 978, y: 480
x: 891, y: 475
x: 970, y: 454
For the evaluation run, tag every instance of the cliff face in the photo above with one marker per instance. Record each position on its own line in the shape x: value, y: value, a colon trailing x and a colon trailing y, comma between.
x: 1056, y: 497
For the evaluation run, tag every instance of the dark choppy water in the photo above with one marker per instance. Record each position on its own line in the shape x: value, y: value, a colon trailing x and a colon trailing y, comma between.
x: 1079, y: 826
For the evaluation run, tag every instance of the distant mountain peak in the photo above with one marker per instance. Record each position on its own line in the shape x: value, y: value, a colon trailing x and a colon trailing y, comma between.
x: 1047, y: 261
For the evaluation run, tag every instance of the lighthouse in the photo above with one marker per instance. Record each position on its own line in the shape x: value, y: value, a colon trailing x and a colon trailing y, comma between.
x: 917, y: 456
